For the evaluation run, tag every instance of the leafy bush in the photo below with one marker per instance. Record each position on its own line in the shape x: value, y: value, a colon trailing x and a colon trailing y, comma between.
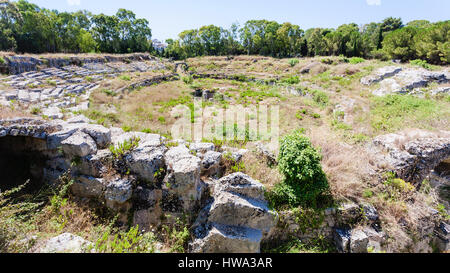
x: 320, y: 97
x: 305, y: 180
x: 356, y: 60
x: 291, y: 80
x: 125, y: 78
x: 293, y: 62
x: 421, y: 63
x: 188, y: 79
x: 109, y: 92
x: 2, y: 61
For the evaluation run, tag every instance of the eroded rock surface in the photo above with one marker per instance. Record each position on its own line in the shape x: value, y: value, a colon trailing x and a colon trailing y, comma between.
x: 235, y: 219
x: 395, y: 80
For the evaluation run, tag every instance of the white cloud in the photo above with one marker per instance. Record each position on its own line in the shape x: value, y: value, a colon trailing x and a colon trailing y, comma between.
x: 78, y: 2
x: 373, y: 2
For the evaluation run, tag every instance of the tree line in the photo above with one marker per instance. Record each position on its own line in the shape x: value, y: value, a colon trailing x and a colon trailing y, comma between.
x: 389, y: 39
x: 26, y: 27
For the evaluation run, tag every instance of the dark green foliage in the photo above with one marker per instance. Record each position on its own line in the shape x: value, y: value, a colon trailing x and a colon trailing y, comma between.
x: 388, y: 39
x: 305, y: 180
x: 399, y: 44
x: 26, y: 27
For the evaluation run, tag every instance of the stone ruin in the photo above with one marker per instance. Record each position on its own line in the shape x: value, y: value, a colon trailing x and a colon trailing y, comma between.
x: 68, y: 82
x: 146, y: 183
x: 396, y: 80
x: 156, y: 180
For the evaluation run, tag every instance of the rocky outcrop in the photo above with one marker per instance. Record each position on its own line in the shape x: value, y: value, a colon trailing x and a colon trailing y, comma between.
x: 52, y: 86
x: 394, y: 80
x: 235, y: 219
x: 413, y: 155
x: 381, y: 74
x: 155, y: 181
x: 67, y: 243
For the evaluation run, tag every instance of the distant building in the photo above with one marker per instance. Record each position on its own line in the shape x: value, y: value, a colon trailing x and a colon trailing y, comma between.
x: 158, y: 45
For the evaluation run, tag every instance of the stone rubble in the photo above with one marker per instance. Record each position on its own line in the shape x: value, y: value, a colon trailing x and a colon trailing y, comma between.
x: 52, y: 86
x: 395, y: 80
x: 235, y: 219
x: 153, y: 179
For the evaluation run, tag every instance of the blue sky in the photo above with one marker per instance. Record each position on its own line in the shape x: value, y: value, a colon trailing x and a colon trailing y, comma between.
x: 169, y: 17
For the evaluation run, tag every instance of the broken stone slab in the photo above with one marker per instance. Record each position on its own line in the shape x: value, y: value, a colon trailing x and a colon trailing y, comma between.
x: 53, y: 113
x: 200, y: 147
x: 266, y: 153
x: 440, y: 91
x: 358, y: 241
x: 78, y: 119
x: 94, y: 165
x: 381, y: 74
x: 67, y: 243
x: 100, y: 134
x: 370, y: 213
x: 231, y: 217
x: 414, y: 154
x: 79, y: 144
x: 231, y: 209
x: 211, y: 162
x: 89, y: 187
x: 242, y: 184
x: 183, y: 175
x: 145, y: 163
x: 119, y: 190
x: 145, y: 140
x: 349, y: 213
x: 342, y: 240
x: 228, y: 239
x: 408, y: 80
x: 55, y: 139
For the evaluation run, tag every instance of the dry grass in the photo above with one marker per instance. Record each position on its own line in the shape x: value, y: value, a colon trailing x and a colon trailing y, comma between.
x: 146, y: 108
x: 257, y: 168
x: 8, y: 112
x: 346, y: 166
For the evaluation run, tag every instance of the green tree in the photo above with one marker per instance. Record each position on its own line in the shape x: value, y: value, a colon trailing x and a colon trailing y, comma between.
x: 10, y: 22
x: 399, y: 44
x: 433, y: 43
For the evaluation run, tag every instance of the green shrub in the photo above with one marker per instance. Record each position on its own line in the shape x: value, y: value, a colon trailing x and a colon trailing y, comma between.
x: 305, y: 180
x: 421, y: 63
x: 356, y: 60
x: 320, y: 97
x: 291, y: 80
x: 188, y: 79
x: 125, y: 78
x: 126, y: 128
x: 293, y: 62
x: 109, y: 92
x: 36, y: 111
x: 2, y: 61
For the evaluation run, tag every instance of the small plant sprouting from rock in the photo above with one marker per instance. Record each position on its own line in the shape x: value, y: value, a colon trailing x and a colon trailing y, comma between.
x: 123, y: 148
